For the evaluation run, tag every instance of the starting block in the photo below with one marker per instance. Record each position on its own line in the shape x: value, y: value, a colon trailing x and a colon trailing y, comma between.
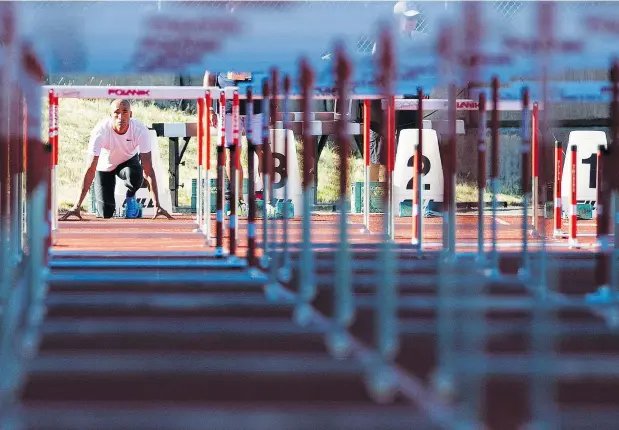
x: 278, y: 212
x: 377, y: 191
x: 429, y: 208
x: 584, y: 211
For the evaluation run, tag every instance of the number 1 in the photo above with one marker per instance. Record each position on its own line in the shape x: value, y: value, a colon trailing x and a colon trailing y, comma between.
x: 593, y: 161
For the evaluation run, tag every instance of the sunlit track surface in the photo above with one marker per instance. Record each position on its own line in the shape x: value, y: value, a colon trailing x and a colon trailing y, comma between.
x: 584, y: 336
x: 180, y: 235
x: 175, y: 335
x: 166, y: 340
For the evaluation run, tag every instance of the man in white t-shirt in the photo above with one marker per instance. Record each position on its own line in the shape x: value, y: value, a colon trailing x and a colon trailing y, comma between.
x: 119, y: 146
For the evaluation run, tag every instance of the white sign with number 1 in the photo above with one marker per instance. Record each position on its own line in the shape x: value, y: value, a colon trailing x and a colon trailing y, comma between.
x: 587, y: 143
x: 432, y: 169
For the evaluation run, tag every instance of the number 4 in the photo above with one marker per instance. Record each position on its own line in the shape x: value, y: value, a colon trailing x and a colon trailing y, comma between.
x: 425, y: 168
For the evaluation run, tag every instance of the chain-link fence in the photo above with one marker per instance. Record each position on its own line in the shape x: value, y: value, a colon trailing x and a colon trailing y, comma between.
x: 426, y: 22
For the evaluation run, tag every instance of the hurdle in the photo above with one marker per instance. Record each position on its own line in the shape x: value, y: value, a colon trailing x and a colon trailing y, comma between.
x: 25, y: 233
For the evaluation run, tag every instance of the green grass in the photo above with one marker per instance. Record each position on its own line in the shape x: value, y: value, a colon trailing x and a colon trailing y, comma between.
x: 78, y: 117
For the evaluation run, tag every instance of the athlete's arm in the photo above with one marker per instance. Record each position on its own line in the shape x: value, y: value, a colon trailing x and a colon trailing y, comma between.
x: 95, y: 144
x: 89, y: 176
x: 149, y: 175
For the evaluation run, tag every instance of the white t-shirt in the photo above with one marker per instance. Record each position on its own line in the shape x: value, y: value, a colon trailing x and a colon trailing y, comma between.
x: 113, y: 148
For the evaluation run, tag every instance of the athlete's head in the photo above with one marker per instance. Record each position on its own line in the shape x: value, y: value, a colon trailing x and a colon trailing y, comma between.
x: 121, y: 113
x: 407, y: 15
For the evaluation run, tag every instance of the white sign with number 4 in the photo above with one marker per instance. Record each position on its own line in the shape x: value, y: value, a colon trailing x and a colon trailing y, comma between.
x: 587, y: 143
x: 432, y: 169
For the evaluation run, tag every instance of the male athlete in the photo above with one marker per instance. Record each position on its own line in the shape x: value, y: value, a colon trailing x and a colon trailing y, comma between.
x: 406, y: 17
x: 119, y: 146
x: 232, y: 79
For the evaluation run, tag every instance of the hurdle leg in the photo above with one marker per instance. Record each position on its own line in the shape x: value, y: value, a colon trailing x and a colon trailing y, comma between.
x: 54, y: 169
x: 417, y: 233
x: 251, y: 184
x: 381, y: 379
x: 558, y: 208
x: 535, y: 170
x: 573, y: 243
x: 366, y: 164
x: 525, y: 148
x: 307, y: 281
x: 285, y: 271
x: 391, y: 148
x: 233, y: 201
x: 274, y: 255
x: 206, y: 207
x: 199, y: 201
x: 614, y: 264
x: 264, y: 261
x: 238, y: 184
x: 481, y: 180
x: 206, y: 187
x: 338, y: 339
x: 493, y: 270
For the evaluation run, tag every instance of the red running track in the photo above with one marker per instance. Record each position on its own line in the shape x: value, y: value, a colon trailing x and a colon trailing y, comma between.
x: 94, y: 234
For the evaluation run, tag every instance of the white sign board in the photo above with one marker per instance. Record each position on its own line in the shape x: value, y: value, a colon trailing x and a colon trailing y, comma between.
x: 403, y: 170
x: 283, y: 167
x: 143, y: 196
x: 587, y: 143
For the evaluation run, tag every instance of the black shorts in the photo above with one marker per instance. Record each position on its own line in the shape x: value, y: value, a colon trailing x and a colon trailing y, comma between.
x: 378, y: 145
x: 130, y: 172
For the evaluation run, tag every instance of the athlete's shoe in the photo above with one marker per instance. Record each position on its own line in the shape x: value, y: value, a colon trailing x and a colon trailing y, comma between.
x: 132, y: 208
x: 272, y: 212
x: 241, y: 209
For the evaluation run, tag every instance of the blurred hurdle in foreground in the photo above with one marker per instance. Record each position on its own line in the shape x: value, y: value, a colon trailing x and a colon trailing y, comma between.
x: 445, y: 339
x: 25, y: 210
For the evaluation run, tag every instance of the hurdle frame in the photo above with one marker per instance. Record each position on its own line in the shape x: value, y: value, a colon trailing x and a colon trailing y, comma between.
x: 400, y: 102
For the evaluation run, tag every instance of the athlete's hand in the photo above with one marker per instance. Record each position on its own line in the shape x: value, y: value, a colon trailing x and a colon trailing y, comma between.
x: 213, y: 119
x: 75, y: 211
x: 162, y: 211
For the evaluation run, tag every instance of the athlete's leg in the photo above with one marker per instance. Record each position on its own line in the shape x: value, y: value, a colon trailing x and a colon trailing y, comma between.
x: 132, y: 173
x: 229, y: 141
x: 378, y: 148
x: 105, y: 182
x: 257, y: 138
